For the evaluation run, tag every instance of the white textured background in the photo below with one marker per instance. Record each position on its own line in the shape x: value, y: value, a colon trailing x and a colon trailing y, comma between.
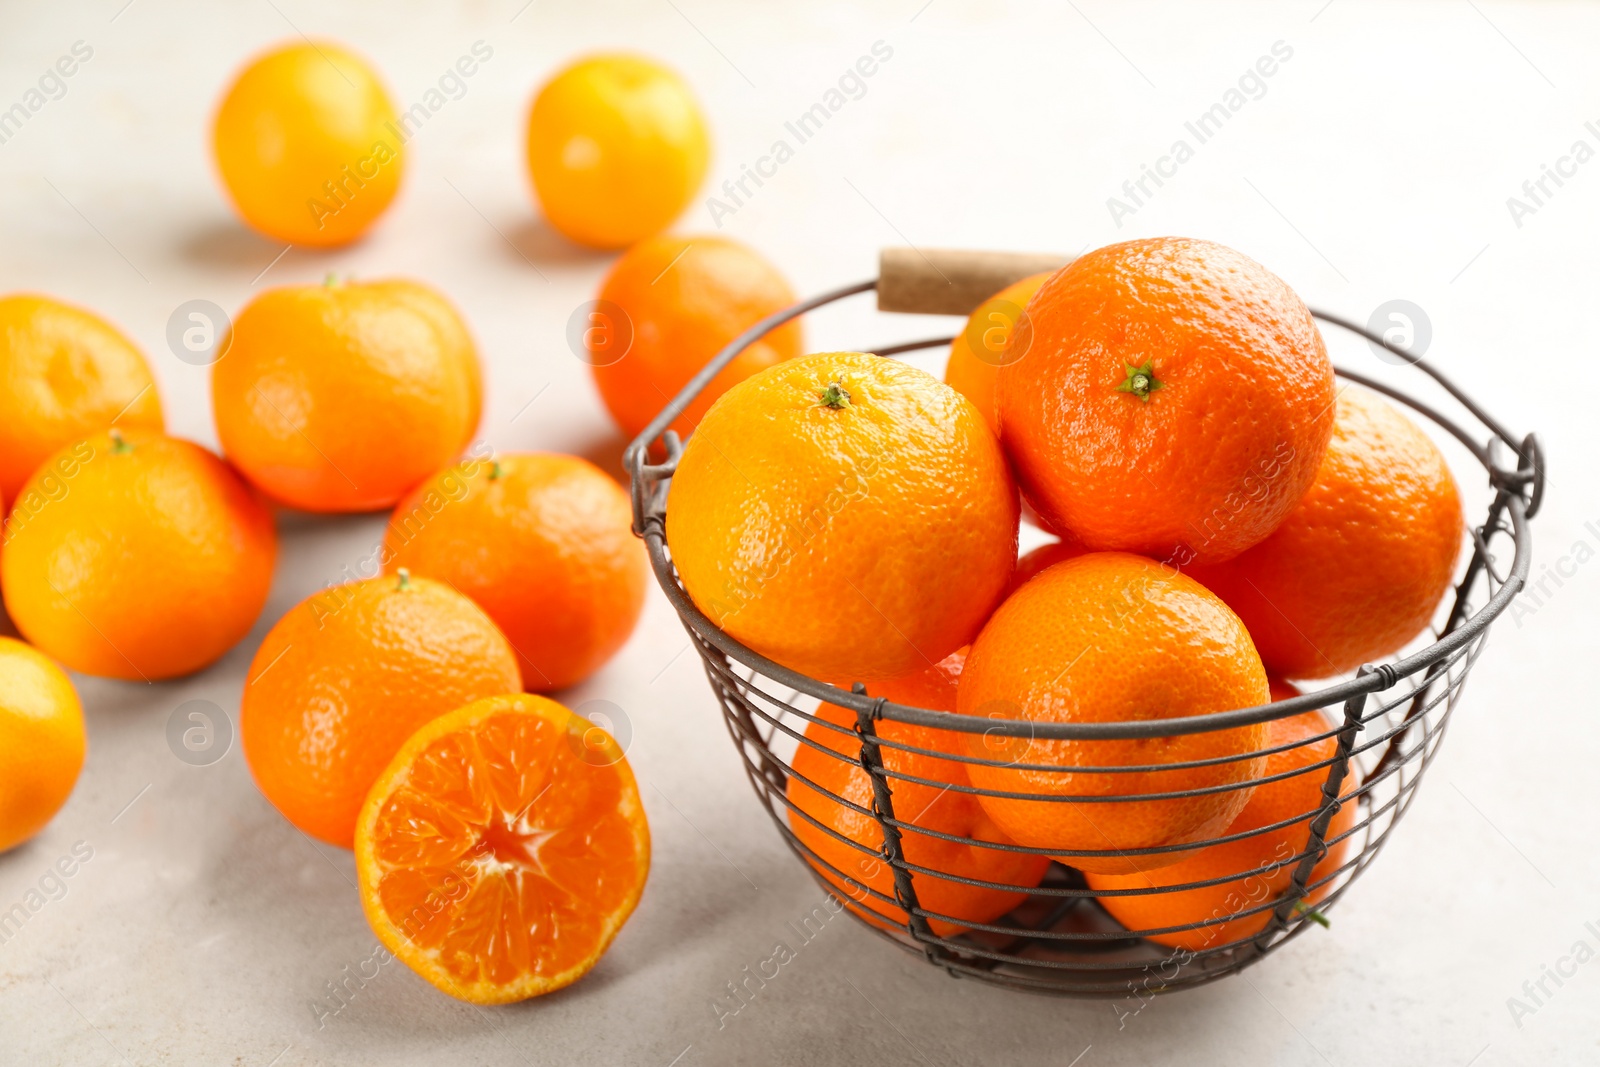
x: 1376, y: 166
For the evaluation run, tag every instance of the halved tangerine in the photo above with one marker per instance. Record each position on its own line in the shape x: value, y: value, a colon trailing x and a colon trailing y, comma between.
x: 502, y: 849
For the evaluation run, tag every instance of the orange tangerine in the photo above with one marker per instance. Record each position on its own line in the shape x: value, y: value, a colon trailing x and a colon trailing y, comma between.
x: 616, y: 148
x: 306, y: 143
x: 41, y: 741
x: 1113, y: 637
x: 1255, y: 869
x: 137, y: 556
x: 850, y: 864
x: 502, y: 849
x: 984, y: 345
x: 65, y: 373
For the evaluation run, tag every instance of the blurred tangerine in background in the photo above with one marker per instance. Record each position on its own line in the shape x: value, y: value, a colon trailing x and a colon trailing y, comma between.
x: 682, y: 300
x: 42, y: 741
x: 616, y: 147
x: 306, y: 143
x: 65, y: 373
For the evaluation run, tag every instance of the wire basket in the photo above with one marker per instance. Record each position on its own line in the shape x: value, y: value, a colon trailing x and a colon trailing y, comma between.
x: 1389, y: 721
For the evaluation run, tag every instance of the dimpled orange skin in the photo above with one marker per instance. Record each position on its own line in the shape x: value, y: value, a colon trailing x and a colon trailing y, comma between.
x: 42, y: 741
x: 1359, y: 566
x: 1112, y: 637
x: 544, y: 544
x: 502, y: 849
x: 616, y: 148
x: 64, y: 374
x: 927, y: 807
x: 1219, y: 453
x: 137, y: 556
x: 984, y: 344
x: 342, y: 397
x: 1263, y: 865
x: 859, y: 541
x: 685, y: 298
x: 346, y: 676
x: 295, y: 119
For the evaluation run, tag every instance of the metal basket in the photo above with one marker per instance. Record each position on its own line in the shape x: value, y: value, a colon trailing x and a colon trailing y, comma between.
x: 1061, y: 941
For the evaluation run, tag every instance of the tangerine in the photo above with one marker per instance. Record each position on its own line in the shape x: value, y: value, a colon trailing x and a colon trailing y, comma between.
x: 1174, y: 400
x: 1254, y: 869
x: 502, y: 849
x: 137, y: 556
x: 984, y: 344
x: 831, y: 788
x: 542, y: 543
x: 346, y: 676
x: 1046, y: 555
x: 344, y: 396
x: 65, y: 373
x: 1112, y: 637
x: 616, y: 148
x: 41, y: 741
x: 306, y: 144
x: 824, y: 505
x: 682, y: 299
x: 1359, y: 566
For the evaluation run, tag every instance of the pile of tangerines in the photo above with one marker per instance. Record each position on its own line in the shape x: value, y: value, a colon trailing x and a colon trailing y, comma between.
x: 1166, y: 408
x: 1228, y: 520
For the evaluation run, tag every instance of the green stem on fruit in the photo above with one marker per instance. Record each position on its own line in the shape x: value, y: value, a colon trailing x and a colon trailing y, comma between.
x: 1141, y: 381
x: 404, y: 576
x: 119, y: 444
x: 496, y: 471
x: 835, y: 396
x: 1313, y: 914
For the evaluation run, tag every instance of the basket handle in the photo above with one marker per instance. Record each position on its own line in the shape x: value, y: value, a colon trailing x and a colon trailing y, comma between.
x: 944, y: 281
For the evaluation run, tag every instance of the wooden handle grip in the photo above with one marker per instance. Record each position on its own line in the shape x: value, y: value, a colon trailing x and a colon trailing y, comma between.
x: 944, y: 281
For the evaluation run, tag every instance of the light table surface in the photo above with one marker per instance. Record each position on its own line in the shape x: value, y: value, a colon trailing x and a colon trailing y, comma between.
x: 1375, y: 163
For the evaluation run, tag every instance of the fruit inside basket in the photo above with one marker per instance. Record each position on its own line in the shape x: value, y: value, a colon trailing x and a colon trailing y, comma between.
x: 1155, y: 748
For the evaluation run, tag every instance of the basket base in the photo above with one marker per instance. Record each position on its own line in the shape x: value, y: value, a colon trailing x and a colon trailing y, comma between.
x: 1085, y: 940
